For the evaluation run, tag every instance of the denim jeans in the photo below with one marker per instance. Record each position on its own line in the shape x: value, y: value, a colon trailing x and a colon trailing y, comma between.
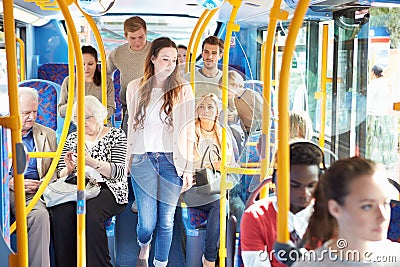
x: 157, y: 187
x: 212, y: 230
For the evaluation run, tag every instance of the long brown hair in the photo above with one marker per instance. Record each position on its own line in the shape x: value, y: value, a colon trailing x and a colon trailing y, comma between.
x: 334, y: 184
x: 171, y: 88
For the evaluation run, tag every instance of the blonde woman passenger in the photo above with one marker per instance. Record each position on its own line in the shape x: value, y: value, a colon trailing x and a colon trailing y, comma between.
x: 208, y: 145
x: 300, y: 125
x: 161, y: 139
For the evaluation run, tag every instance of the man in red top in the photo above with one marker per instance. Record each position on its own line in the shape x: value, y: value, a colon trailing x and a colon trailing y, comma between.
x: 258, y: 225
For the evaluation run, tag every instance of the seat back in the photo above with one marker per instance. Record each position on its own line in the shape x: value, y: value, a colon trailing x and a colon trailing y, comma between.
x: 4, y: 199
x: 49, y: 93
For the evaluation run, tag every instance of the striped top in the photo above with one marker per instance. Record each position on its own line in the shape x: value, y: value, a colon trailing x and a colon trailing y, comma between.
x: 111, y: 148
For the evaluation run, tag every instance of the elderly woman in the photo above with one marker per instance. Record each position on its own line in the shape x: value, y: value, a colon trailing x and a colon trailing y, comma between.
x: 105, y: 161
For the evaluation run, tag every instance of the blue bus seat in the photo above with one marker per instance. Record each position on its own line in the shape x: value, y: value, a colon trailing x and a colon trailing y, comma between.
x: 49, y: 94
x: 194, y: 221
x: 55, y: 72
x: 4, y: 200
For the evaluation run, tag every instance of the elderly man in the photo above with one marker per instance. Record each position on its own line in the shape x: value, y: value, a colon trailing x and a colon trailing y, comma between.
x: 36, y: 138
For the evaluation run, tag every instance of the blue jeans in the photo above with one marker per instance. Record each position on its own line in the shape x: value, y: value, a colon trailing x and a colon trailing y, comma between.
x: 157, y: 187
x: 212, y: 230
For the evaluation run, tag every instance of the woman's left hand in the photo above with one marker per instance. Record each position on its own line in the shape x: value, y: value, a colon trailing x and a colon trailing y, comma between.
x: 89, y: 161
x: 187, y: 181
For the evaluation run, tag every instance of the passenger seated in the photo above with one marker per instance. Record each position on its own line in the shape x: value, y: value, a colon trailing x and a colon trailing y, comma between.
x: 92, y: 84
x: 36, y: 138
x: 258, y: 225
x: 208, y: 133
x: 300, y: 125
x: 351, y: 217
x: 105, y: 162
x: 244, y: 104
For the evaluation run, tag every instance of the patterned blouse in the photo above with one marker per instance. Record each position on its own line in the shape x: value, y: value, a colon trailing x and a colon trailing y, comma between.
x: 110, y: 148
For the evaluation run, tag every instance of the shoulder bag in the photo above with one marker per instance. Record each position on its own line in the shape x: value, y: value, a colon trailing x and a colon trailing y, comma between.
x: 208, y: 180
x: 65, y: 190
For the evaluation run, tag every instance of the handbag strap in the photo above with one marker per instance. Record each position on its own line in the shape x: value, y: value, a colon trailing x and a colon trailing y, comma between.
x: 216, y: 151
x: 394, y: 183
x: 204, y: 155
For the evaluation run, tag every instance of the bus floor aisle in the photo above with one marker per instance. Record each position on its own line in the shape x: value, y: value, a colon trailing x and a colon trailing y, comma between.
x: 126, y: 248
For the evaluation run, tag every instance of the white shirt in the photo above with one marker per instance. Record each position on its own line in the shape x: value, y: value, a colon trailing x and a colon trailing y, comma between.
x: 156, y: 135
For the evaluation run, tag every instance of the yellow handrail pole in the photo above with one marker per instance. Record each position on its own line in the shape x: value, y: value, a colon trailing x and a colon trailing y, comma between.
x: 14, y: 123
x: 264, y: 190
x: 192, y: 37
x: 103, y: 60
x: 275, y: 14
x: 196, y: 45
x: 322, y: 94
x: 81, y: 203
x: 262, y: 61
x: 21, y: 58
x: 55, y: 155
x: 225, y: 185
x: 283, y: 132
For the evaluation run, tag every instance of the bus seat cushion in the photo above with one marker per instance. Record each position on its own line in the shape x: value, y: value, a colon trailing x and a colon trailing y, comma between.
x: 47, y: 112
x: 197, y: 217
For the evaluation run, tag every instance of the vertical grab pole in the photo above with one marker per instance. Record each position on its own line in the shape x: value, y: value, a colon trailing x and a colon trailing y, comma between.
x: 275, y: 14
x: 283, y: 132
x: 21, y: 58
x: 192, y: 65
x: 103, y: 60
x: 231, y: 26
x: 192, y: 37
x: 21, y: 258
x: 81, y: 203
x: 322, y: 94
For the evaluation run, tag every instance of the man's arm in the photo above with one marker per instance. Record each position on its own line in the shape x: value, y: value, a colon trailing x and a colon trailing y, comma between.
x: 110, y: 98
x: 253, y: 248
x: 111, y: 63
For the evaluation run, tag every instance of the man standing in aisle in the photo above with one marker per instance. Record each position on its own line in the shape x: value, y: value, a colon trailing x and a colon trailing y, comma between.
x: 129, y: 58
x: 36, y: 138
x: 206, y: 79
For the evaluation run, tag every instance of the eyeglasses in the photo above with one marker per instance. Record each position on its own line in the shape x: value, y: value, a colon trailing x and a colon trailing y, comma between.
x: 87, y: 117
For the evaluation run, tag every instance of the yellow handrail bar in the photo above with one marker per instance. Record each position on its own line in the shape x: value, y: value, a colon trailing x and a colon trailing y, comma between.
x: 275, y: 14
x: 102, y: 52
x: 283, y: 133
x: 322, y: 94
x: 192, y: 37
x: 14, y: 123
x: 196, y: 45
x: 81, y: 203
x: 224, y: 184
x: 39, y: 154
x: 21, y: 58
